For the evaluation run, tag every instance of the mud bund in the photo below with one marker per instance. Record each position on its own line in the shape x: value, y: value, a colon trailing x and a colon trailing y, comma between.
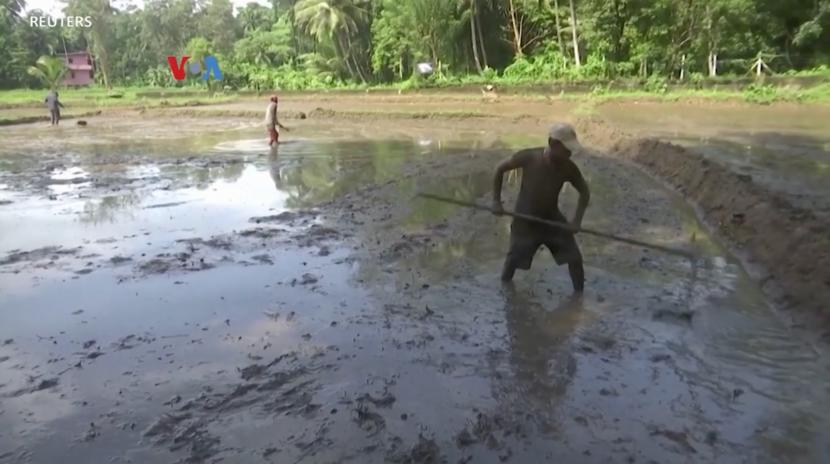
x: 787, y: 248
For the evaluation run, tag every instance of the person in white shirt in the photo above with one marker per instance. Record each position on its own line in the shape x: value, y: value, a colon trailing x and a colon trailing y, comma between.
x: 272, y: 122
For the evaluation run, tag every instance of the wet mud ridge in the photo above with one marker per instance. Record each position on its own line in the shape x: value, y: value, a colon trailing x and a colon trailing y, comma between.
x: 249, y: 246
x: 786, y: 247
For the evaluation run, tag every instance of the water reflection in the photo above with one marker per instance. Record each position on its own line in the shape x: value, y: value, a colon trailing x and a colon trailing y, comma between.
x: 274, y: 166
x: 537, y: 338
x: 109, y: 208
x: 310, y: 173
x: 304, y: 174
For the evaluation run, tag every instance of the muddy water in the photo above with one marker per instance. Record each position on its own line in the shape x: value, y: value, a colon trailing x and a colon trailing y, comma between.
x: 209, y: 299
x: 783, y: 147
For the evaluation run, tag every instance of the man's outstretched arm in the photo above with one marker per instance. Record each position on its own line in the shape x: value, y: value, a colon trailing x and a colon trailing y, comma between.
x: 584, y: 197
x: 514, y: 162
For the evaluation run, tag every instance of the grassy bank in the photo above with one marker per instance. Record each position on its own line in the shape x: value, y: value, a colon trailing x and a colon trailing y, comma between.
x: 125, y: 96
x: 148, y: 97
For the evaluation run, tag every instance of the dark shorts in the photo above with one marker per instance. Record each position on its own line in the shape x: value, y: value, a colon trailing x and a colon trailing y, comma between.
x: 526, y: 238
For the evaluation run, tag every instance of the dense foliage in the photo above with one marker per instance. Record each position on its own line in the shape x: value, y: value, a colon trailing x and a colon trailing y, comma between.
x: 299, y: 44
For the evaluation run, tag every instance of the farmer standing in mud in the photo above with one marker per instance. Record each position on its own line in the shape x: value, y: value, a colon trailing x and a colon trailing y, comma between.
x: 54, y: 106
x: 544, y: 173
x: 272, y: 122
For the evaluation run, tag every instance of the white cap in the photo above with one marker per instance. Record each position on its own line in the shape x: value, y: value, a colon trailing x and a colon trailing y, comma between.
x: 566, y: 134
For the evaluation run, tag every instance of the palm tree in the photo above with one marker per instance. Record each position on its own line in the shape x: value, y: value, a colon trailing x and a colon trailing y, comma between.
x: 50, y: 70
x: 337, y: 20
x: 254, y: 16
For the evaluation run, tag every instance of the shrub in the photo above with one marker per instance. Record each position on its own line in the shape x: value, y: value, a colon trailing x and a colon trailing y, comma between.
x: 759, y: 93
x: 656, y: 84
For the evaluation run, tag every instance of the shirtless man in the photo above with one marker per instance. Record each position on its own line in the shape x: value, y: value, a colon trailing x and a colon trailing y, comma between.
x: 544, y: 172
x: 272, y: 122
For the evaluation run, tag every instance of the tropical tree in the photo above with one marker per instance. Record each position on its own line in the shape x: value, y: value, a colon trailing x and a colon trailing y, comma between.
x: 49, y: 70
x: 393, y: 39
x: 340, y: 21
x: 265, y: 47
x: 816, y: 27
x: 218, y: 23
x: 529, y: 23
x: 438, y: 24
x: 253, y: 17
x: 165, y: 27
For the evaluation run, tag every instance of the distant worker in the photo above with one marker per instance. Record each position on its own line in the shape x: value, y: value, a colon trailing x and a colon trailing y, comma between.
x: 272, y: 122
x: 544, y: 173
x: 54, y: 106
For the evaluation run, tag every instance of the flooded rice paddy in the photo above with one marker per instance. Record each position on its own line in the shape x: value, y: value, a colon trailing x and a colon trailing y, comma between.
x: 174, y: 291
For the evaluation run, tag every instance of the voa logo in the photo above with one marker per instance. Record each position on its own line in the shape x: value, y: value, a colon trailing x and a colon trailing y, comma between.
x: 209, y: 65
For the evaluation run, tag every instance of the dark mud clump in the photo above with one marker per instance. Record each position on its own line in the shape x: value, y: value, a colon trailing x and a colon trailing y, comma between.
x: 307, y: 279
x: 684, y: 317
x: 261, y: 232
x: 51, y: 253
x: 167, y: 262
x: 155, y: 266
x: 484, y: 431
x: 131, y: 341
x: 426, y: 451
x: 678, y: 438
x: 220, y: 243
x: 287, y: 217
x: 369, y: 421
x: 386, y: 400
x: 266, y: 390
x: 316, y: 235
x: 42, y: 385
x: 183, y: 431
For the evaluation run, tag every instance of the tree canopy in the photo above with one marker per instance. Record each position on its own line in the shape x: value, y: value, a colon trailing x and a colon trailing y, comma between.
x: 297, y: 43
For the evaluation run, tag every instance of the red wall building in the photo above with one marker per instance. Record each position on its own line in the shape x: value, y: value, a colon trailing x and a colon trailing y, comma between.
x: 79, y: 69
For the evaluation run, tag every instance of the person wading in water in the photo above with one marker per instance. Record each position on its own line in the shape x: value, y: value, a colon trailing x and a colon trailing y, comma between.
x: 54, y: 106
x: 272, y: 122
x: 544, y: 173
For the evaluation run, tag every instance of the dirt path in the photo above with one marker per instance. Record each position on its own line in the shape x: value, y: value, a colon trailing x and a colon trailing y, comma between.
x: 176, y: 296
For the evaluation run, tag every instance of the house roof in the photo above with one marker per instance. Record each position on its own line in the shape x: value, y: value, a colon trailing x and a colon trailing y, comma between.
x: 73, y: 53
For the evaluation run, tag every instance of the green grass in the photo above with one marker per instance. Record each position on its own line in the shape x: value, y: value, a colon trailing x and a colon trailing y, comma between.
x: 147, y: 97
x: 126, y: 96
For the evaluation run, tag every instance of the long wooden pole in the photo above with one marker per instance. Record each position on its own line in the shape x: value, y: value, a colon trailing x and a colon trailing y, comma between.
x: 562, y: 225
